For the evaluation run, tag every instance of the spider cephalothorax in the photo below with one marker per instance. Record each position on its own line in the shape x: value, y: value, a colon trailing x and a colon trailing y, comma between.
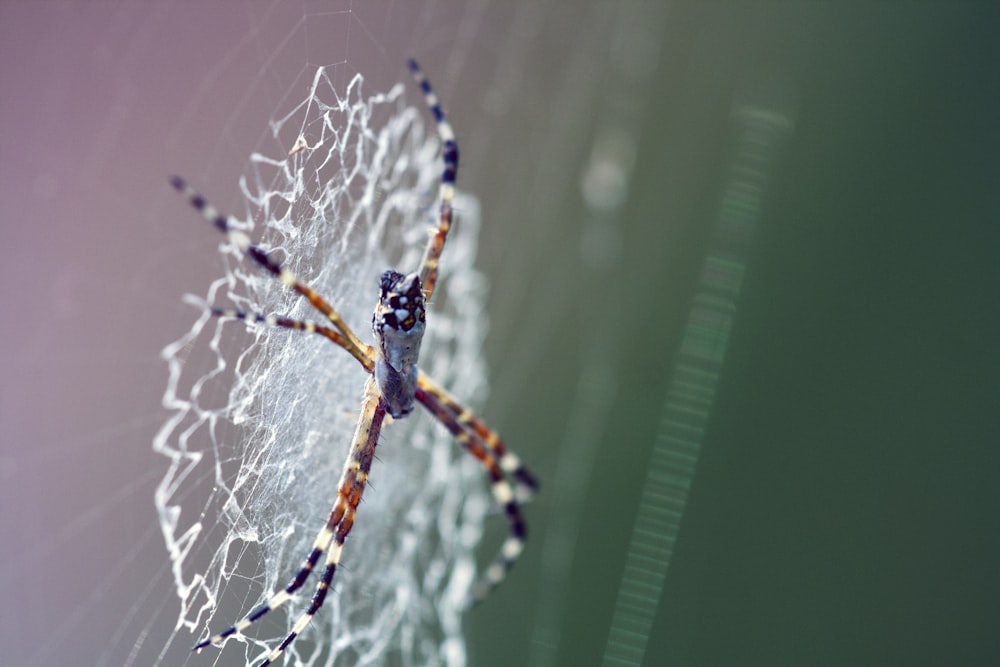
x: 398, y: 325
x: 395, y: 384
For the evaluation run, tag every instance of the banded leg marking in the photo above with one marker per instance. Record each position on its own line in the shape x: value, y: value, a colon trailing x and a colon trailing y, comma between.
x: 446, y: 192
x: 365, y: 355
x: 509, y: 462
x: 352, y: 486
x: 320, y: 544
x: 502, y: 492
x: 242, y: 241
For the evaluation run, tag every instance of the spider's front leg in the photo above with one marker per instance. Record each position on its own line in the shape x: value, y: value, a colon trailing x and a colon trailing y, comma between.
x: 446, y: 194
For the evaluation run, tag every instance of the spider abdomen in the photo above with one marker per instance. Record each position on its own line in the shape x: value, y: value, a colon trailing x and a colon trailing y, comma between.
x: 398, y: 324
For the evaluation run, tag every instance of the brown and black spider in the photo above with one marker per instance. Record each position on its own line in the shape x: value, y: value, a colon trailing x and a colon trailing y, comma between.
x: 393, y: 386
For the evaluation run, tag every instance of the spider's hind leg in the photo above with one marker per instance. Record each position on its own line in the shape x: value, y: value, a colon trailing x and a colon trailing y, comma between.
x: 502, y: 491
x: 320, y: 545
x: 353, y: 481
x: 510, y: 463
x: 331, y: 538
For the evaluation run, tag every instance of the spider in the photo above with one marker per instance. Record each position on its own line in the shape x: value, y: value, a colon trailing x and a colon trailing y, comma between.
x: 393, y: 386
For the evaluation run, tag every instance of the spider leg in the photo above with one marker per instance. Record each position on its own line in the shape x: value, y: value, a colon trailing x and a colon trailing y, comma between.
x: 470, y: 432
x: 331, y: 539
x: 242, y: 241
x: 446, y: 193
x: 509, y: 462
x: 320, y: 544
x: 502, y: 492
x: 352, y: 485
x: 364, y: 354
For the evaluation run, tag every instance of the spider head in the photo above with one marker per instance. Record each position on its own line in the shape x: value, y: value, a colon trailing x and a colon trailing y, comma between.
x: 398, y: 325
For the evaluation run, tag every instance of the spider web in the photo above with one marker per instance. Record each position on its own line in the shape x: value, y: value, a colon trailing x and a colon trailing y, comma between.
x: 262, y: 419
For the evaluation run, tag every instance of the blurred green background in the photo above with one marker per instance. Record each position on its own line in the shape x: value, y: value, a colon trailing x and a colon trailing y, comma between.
x: 844, y: 509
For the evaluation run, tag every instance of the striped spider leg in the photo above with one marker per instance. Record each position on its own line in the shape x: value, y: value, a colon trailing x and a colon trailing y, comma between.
x: 395, y: 383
